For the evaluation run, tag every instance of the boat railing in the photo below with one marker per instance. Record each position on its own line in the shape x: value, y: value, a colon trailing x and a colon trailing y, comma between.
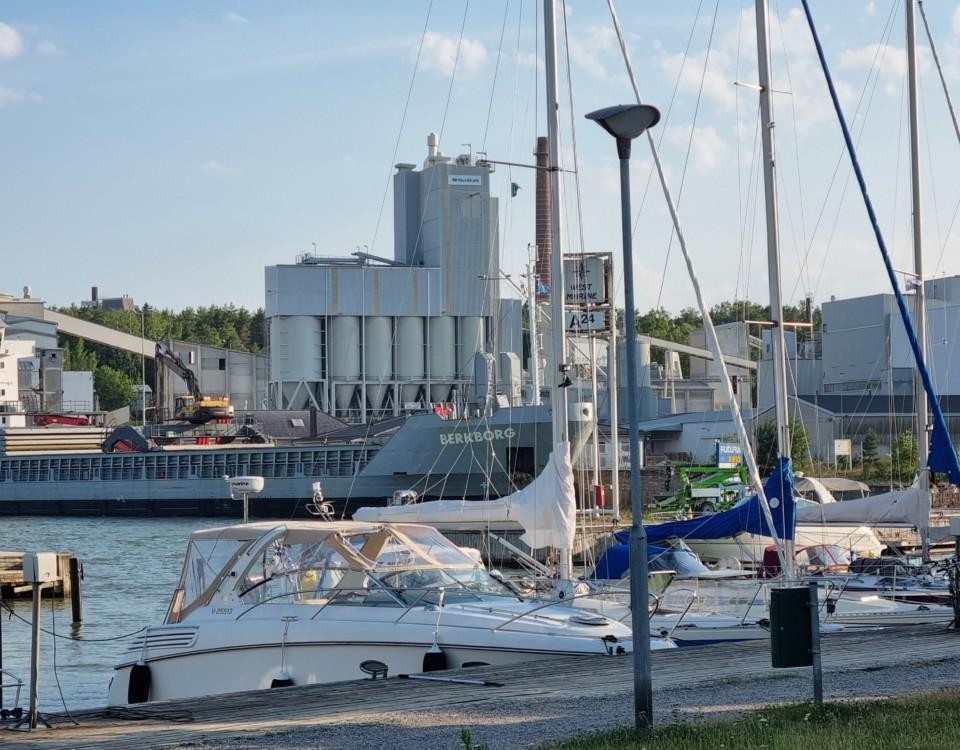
x: 565, y: 602
x: 333, y: 594
x: 13, y: 683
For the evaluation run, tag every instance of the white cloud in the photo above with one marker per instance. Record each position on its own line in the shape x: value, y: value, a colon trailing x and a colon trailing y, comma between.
x: 870, y: 8
x: 11, y: 44
x: 588, y: 51
x: 214, y: 167
x: 891, y: 59
x: 709, y: 149
x: 528, y: 60
x: 236, y: 18
x: 48, y: 49
x: 440, y: 54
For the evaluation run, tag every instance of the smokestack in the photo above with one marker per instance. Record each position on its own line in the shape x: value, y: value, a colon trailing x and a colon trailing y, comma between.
x: 94, y: 294
x: 543, y: 228
x: 433, y: 146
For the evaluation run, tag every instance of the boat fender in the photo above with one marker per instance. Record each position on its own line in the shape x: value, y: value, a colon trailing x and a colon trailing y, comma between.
x: 831, y: 605
x: 138, y: 689
x: 281, y: 680
x: 435, y: 659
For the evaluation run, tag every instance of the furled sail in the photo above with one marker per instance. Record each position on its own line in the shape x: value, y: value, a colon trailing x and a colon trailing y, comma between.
x: 546, y: 508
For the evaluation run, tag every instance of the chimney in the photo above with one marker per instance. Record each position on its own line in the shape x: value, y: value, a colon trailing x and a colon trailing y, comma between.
x: 94, y: 294
x: 543, y: 228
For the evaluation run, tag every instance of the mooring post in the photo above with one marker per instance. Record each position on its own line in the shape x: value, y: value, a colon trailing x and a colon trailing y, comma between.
x: 76, y: 595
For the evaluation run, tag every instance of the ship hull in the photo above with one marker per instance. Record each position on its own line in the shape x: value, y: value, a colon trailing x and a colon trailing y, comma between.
x: 472, y: 459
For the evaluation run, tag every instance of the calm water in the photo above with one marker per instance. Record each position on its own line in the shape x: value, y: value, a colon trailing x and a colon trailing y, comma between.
x: 131, y: 566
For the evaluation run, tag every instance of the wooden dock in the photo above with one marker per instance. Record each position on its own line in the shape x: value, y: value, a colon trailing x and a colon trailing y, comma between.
x: 12, y: 584
x: 526, y: 688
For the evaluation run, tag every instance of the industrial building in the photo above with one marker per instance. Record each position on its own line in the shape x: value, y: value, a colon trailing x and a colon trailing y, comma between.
x: 366, y: 337
x: 861, y: 370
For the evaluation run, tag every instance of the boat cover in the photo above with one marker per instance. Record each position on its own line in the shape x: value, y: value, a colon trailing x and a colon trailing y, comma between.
x: 745, y: 516
x: 545, y: 508
x: 909, y: 507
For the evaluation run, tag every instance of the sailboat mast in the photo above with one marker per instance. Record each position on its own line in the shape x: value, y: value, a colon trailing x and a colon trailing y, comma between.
x: 558, y: 395
x: 773, y: 245
x: 920, y: 311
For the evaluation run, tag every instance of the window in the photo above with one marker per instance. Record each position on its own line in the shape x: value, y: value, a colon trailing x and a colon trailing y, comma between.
x: 223, y: 363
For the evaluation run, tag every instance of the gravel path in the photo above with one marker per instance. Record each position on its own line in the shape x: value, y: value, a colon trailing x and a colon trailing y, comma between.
x: 534, y: 721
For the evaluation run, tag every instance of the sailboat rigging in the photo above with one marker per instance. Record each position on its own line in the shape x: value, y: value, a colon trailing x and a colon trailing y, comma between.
x: 942, y: 456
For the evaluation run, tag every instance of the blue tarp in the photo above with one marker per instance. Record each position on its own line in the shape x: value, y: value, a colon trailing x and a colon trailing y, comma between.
x: 615, y: 562
x: 746, y: 516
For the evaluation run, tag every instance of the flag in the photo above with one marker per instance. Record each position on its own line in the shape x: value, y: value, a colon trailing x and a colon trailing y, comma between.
x: 542, y: 288
x: 514, y: 189
x: 913, y: 283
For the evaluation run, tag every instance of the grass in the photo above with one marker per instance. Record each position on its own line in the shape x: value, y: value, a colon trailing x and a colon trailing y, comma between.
x: 930, y: 720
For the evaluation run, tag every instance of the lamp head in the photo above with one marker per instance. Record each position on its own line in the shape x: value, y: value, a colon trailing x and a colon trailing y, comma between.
x: 626, y: 121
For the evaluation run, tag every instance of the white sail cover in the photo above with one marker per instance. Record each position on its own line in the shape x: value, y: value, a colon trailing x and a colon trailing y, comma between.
x: 909, y: 507
x: 546, y: 508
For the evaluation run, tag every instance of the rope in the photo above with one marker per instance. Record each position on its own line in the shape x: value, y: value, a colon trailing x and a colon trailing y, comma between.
x: 496, y: 69
x: 711, y: 334
x: 686, y: 158
x: 943, y: 457
x: 53, y: 633
x: 56, y: 672
x: 403, y: 120
x: 953, y: 119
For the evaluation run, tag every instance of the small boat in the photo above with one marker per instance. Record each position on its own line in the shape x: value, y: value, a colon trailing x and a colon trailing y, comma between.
x: 274, y: 604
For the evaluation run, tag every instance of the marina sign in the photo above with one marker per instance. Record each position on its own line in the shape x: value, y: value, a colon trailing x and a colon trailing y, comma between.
x: 584, y: 280
x: 586, y: 321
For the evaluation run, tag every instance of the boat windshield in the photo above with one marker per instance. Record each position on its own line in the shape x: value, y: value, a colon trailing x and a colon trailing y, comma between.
x: 386, y: 566
x: 423, y: 585
x: 204, y: 561
x: 308, y: 572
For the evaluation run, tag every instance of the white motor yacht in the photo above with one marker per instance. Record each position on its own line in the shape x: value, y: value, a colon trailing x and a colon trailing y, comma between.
x: 273, y: 604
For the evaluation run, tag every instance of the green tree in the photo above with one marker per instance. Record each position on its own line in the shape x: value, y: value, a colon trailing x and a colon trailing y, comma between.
x: 766, y: 451
x: 76, y: 356
x: 869, y: 453
x: 114, y: 388
x: 903, y: 457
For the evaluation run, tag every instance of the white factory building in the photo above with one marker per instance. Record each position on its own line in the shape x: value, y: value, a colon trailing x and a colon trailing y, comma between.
x: 364, y: 337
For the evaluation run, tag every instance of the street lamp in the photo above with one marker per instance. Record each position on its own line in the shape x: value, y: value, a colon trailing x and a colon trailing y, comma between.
x: 625, y: 122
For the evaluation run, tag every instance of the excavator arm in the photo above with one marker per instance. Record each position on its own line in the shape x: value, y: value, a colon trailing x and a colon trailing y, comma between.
x: 171, y: 361
x: 198, y: 409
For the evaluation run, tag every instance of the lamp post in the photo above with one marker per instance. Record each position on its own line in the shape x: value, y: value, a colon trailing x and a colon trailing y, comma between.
x: 625, y: 122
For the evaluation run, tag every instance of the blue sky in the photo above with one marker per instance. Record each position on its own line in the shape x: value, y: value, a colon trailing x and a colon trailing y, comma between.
x: 172, y: 150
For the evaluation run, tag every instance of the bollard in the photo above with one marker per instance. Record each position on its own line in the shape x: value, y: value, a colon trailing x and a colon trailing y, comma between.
x: 76, y: 595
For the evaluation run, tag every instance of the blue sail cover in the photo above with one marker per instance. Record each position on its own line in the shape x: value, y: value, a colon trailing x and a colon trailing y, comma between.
x: 943, y: 456
x: 745, y: 516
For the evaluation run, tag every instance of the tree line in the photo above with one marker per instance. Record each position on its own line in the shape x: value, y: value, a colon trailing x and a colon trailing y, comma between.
x: 115, y: 372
